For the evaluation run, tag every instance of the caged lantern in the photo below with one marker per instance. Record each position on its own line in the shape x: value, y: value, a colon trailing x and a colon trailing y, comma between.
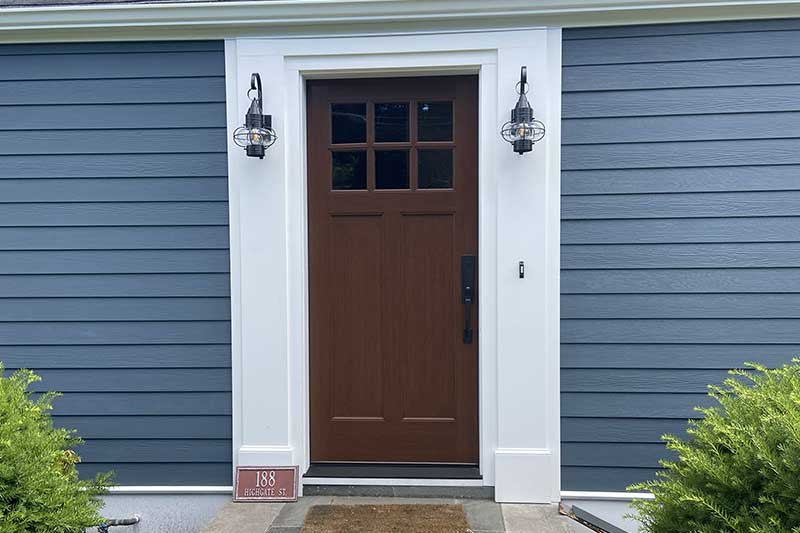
x: 257, y: 134
x: 523, y: 130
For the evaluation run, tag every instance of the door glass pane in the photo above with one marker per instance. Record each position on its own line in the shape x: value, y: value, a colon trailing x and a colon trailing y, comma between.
x: 435, y: 121
x: 391, y: 169
x: 349, y: 123
x: 349, y: 170
x: 391, y: 122
x: 435, y: 169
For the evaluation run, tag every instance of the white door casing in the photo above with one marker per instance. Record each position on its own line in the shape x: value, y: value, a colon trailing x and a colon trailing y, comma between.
x: 519, y: 204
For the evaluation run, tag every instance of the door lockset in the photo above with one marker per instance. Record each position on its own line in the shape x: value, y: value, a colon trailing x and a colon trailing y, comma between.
x: 467, y: 293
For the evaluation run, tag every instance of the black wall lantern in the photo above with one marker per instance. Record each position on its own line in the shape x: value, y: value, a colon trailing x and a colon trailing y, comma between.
x: 523, y: 130
x: 257, y: 134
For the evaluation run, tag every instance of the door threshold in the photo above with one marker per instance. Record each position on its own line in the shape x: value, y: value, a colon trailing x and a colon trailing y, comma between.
x: 394, y: 471
x: 397, y: 488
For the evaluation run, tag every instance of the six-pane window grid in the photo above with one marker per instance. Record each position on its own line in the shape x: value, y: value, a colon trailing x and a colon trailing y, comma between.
x: 409, y: 145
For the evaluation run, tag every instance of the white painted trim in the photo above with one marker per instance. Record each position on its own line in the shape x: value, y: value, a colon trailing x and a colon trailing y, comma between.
x: 231, y: 108
x: 359, y: 481
x: 167, y: 489
x: 224, y: 19
x: 518, y: 356
x: 565, y: 494
x: 605, y: 496
x: 553, y: 254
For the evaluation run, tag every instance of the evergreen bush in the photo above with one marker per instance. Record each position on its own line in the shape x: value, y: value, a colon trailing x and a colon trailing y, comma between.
x: 739, y: 469
x: 40, y: 491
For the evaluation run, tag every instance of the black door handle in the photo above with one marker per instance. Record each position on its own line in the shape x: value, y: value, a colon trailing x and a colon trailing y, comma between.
x: 467, y: 293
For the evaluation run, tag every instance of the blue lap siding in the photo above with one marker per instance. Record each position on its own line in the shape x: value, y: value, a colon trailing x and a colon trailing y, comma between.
x: 114, y: 262
x: 680, y: 223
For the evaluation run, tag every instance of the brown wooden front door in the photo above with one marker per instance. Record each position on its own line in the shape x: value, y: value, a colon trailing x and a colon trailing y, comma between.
x: 392, y: 194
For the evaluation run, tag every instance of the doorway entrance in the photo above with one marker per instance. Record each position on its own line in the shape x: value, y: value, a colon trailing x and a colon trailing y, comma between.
x: 393, y: 241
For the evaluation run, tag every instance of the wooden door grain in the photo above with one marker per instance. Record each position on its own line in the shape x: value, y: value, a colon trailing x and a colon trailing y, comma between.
x: 392, y: 207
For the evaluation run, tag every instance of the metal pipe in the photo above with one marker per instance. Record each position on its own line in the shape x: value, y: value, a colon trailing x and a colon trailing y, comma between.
x: 111, y: 522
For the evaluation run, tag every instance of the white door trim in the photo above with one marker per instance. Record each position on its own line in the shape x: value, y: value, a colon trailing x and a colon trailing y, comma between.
x: 519, y: 438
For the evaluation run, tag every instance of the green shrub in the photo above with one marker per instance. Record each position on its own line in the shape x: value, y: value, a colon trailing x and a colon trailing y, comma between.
x: 39, y: 487
x: 739, y: 470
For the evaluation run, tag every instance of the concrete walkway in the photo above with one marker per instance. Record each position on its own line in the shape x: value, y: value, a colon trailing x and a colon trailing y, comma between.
x: 484, y: 516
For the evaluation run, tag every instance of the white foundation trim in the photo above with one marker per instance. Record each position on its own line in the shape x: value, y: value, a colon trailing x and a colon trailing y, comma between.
x: 605, y: 496
x: 518, y: 220
x: 220, y: 19
x: 167, y: 489
x: 357, y: 481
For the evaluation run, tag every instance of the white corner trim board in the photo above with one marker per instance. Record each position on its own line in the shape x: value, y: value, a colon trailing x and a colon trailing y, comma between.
x: 258, y: 17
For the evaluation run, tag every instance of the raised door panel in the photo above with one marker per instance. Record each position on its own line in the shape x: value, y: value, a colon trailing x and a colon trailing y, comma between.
x: 429, y: 299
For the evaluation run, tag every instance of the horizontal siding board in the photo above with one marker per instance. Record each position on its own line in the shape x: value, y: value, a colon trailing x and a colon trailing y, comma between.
x: 619, y: 430
x: 685, y: 101
x: 727, y: 255
x: 708, y: 127
x: 678, y: 281
x: 130, y: 141
x: 681, y: 180
x: 694, y: 28
x: 681, y: 230
x: 114, y: 238
x: 678, y: 356
x: 652, y: 48
x: 114, y: 261
x: 134, y: 380
x: 640, y: 380
x: 163, y: 474
x: 637, y: 455
x: 82, y: 356
x: 114, y: 285
x: 142, y: 403
x: 114, y: 214
x: 681, y: 205
x: 733, y: 72
x: 700, y: 306
x: 632, y: 405
x: 156, y: 450
x: 671, y: 331
x: 207, y: 189
x: 681, y: 154
x: 111, y: 47
x: 147, y: 427
x: 125, y: 116
x: 61, y: 333
x: 602, y: 479
x: 102, y: 66
x: 112, y: 309
x: 114, y: 166
x: 113, y: 91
